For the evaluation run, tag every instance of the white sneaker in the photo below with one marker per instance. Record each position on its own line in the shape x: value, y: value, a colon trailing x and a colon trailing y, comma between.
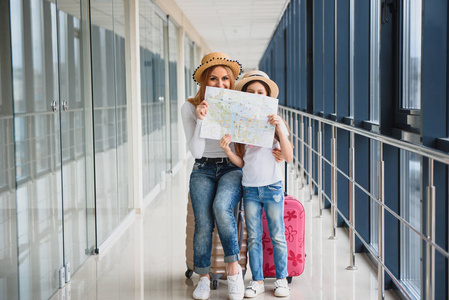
x: 202, y: 291
x: 281, y: 288
x: 254, y: 289
x: 235, y: 286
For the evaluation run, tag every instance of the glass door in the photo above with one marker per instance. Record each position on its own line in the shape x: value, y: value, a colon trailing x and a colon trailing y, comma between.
x: 76, y: 133
x: 37, y: 146
x: 53, y: 171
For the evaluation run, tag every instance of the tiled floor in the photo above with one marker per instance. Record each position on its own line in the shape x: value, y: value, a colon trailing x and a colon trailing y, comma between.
x: 147, y: 261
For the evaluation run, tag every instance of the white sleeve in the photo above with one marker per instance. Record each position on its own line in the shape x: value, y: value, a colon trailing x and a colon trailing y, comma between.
x: 192, y: 127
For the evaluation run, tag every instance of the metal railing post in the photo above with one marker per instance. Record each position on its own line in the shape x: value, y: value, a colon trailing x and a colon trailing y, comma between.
x: 381, y: 224
x: 296, y: 146
x: 352, y: 265
x: 334, y: 184
x: 302, y: 152
x: 430, y: 250
x: 320, y: 170
x: 310, y: 160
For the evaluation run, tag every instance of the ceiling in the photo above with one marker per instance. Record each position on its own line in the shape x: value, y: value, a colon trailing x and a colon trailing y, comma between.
x: 240, y: 28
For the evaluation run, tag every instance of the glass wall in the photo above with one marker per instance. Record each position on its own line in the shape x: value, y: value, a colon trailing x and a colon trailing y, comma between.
x: 110, y: 121
x: 173, y: 35
x: 52, y: 141
x: 153, y: 59
x: 8, y: 210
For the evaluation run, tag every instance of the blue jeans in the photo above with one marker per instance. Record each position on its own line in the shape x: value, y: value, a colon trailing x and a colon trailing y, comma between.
x: 215, y: 189
x: 271, y: 198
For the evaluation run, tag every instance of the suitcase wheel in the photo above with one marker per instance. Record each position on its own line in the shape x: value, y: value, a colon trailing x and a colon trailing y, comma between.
x: 289, y: 279
x: 189, y: 273
x: 215, y: 284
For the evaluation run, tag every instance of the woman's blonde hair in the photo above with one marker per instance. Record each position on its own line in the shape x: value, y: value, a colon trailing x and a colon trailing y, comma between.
x: 203, y: 83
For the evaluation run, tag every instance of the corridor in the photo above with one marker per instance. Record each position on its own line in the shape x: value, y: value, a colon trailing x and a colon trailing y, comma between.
x: 150, y: 264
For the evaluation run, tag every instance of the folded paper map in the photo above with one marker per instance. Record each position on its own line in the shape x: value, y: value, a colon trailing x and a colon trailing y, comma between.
x: 244, y: 116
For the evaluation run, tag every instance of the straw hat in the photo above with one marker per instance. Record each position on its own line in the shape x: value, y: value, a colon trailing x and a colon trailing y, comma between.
x: 257, y: 75
x: 216, y: 59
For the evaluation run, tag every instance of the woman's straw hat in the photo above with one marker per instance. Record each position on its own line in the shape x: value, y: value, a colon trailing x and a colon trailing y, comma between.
x: 257, y: 75
x: 216, y: 59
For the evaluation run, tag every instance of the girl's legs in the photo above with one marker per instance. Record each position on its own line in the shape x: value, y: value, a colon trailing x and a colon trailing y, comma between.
x: 274, y: 209
x: 253, y: 218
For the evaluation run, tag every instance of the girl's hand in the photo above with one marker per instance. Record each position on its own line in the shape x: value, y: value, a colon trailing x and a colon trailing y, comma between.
x: 224, y: 143
x: 201, y: 109
x: 275, y: 120
x: 277, y: 153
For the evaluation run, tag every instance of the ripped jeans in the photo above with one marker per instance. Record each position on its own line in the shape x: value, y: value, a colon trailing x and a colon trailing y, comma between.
x: 271, y: 198
x: 215, y: 189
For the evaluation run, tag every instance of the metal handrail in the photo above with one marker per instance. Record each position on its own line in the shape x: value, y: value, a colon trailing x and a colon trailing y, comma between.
x: 418, y: 149
x: 432, y: 154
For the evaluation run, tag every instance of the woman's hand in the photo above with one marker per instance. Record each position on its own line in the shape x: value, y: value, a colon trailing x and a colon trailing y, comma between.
x: 277, y: 153
x: 275, y: 120
x: 224, y: 143
x: 201, y: 109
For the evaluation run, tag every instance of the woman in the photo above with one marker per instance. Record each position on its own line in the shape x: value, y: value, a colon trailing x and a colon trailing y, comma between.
x: 215, y: 182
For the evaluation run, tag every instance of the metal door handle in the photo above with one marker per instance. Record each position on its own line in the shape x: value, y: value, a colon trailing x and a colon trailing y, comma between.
x: 54, y: 106
x: 65, y: 105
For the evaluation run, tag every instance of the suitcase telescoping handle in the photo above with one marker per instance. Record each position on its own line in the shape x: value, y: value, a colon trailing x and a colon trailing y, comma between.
x: 285, y: 180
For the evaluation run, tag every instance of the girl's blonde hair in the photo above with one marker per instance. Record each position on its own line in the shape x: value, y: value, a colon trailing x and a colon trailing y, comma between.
x: 199, y: 97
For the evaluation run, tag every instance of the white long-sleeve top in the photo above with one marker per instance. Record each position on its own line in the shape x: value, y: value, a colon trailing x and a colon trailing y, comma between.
x: 199, y: 147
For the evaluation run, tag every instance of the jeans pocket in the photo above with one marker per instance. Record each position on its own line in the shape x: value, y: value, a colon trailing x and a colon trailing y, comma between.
x: 275, y: 187
x: 275, y: 191
x: 197, y: 165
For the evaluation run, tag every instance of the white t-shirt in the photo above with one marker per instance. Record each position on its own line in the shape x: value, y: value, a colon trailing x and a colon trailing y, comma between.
x: 261, y: 168
x: 199, y: 147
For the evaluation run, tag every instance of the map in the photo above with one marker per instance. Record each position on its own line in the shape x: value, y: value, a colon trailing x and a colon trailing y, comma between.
x: 241, y: 115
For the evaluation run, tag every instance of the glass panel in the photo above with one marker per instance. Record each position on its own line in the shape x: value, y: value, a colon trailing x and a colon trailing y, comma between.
x: 173, y: 35
x: 124, y: 201
x: 36, y: 138
x: 159, y: 106
x: 109, y: 98
x: 411, y: 212
x: 374, y: 61
x: 9, y: 287
x: 189, y: 59
x: 77, y: 244
x: 374, y: 206
x: 411, y: 81
x: 153, y: 85
x: 146, y: 79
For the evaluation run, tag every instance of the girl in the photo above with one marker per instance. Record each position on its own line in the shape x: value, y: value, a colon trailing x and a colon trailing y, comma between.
x: 262, y: 188
x: 215, y: 182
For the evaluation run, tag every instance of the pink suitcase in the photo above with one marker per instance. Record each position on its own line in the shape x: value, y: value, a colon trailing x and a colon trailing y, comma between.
x: 294, y: 219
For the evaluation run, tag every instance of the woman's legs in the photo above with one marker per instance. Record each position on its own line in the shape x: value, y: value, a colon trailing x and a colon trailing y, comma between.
x: 202, y: 192
x: 227, y: 196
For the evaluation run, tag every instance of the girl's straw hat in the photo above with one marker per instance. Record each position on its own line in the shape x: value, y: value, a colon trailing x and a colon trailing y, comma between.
x: 257, y: 75
x: 216, y: 59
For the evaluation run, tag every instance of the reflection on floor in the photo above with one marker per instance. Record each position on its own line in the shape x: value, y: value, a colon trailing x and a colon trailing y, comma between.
x: 147, y: 261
